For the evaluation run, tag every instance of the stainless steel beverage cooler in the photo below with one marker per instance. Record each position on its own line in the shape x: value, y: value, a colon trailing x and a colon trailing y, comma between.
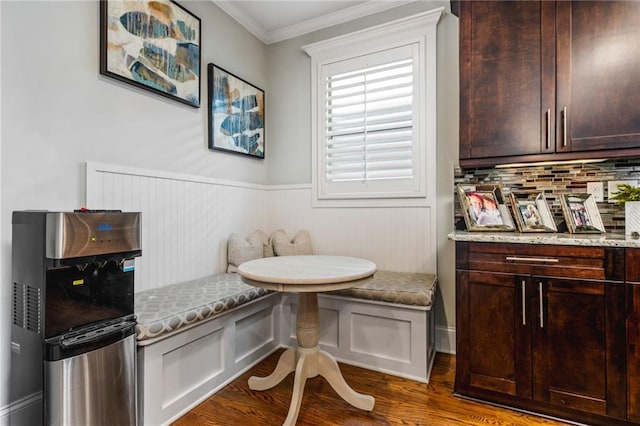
x: 73, y: 331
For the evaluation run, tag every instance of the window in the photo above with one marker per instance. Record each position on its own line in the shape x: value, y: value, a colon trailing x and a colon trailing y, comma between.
x: 373, y: 107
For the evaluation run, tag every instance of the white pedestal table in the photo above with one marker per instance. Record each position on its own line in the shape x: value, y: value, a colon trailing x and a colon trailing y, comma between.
x: 308, y: 275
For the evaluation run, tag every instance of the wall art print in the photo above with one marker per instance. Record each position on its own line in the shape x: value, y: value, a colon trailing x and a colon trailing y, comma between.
x: 154, y: 45
x: 236, y: 114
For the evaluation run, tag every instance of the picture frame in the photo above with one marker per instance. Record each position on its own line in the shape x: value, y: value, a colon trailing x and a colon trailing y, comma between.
x: 153, y: 45
x: 484, y: 208
x: 581, y: 214
x: 532, y: 213
x: 236, y: 114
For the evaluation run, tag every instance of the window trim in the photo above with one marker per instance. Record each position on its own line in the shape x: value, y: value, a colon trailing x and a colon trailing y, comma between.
x: 418, y: 29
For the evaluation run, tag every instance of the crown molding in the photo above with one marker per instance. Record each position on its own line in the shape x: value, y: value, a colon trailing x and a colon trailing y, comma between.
x: 268, y: 37
x: 243, y: 19
x: 359, y: 11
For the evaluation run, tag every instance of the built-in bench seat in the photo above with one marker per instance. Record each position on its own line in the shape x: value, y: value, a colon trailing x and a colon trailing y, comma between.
x: 163, y: 311
x: 195, y: 337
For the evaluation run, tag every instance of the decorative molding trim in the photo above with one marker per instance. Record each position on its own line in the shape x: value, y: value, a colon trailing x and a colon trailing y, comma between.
x: 416, y: 23
x: 305, y: 27
x: 12, y: 408
x: 243, y: 19
x: 288, y: 187
x: 346, y: 15
x: 446, y: 339
x: 92, y: 168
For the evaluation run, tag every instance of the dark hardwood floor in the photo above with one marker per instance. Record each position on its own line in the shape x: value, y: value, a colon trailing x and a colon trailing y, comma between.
x: 398, y: 402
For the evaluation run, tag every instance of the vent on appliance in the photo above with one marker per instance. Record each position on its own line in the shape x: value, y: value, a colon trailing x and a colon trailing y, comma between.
x: 26, y: 307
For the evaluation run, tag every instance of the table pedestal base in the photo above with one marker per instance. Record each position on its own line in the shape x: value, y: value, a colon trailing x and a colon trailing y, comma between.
x: 309, y: 362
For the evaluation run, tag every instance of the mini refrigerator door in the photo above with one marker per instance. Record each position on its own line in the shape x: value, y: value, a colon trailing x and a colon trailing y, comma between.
x: 97, y: 387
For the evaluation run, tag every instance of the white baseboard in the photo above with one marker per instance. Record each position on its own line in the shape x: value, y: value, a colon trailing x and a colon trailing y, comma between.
x: 446, y: 339
x: 23, y: 411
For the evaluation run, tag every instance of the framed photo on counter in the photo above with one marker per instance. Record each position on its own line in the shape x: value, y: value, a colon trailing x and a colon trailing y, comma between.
x: 484, y: 208
x: 532, y: 212
x: 581, y: 214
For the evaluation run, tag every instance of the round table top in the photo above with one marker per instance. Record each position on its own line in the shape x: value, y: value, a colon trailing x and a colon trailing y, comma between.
x: 307, y: 273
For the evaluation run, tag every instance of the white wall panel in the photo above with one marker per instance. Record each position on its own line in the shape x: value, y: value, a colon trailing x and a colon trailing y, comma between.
x: 396, y: 239
x: 186, y: 220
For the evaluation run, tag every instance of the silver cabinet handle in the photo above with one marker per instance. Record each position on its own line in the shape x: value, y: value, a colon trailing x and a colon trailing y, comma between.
x: 541, y: 305
x: 533, y: 259
x: 548, y: 114
x: 564, y: 126
x: 524, y: 303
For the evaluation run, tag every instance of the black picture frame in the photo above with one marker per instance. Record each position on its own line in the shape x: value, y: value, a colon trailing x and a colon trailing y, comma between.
x: 236, y: 114
x: 139, y: 48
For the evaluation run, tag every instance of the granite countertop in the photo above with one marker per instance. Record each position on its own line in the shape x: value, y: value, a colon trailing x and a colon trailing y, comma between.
x: 594, y: 240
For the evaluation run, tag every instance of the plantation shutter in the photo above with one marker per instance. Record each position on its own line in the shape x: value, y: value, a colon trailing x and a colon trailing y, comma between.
x: 370, y: 124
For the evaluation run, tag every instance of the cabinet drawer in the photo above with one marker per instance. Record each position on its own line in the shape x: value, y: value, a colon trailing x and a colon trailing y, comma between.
x: 547, y: 260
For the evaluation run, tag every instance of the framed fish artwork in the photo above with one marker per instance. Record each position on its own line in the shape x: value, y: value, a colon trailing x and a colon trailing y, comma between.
x: 153, y: 45
x: 236, y: 114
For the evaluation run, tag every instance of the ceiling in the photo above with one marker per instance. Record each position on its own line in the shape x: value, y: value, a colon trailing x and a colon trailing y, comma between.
x: 273, y: 21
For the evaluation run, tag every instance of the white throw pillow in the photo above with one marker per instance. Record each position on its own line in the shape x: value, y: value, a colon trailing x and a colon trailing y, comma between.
x: 240, y: 250
x: 283, y: 246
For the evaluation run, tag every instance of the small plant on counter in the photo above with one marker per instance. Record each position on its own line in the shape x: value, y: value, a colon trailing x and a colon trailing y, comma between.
x: 626, y: 193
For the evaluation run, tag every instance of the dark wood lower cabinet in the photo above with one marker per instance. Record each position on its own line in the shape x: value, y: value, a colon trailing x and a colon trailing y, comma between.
x: 544, y: 329
x: 633, y: 334
x: 578, y: 346
x: 633, y: 353
x: 494, y: 350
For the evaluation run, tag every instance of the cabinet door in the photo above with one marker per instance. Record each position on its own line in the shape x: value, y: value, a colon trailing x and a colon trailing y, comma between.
x: 494, y: 343
x: 579, y: 331
x: 633, y: 334
x: 633, y: 352
x: 598, y: 83
x: 507, y: 78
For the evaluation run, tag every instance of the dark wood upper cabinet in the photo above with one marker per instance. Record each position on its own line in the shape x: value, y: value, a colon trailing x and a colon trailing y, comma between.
x: 503, y: 79
x: 543, y: 80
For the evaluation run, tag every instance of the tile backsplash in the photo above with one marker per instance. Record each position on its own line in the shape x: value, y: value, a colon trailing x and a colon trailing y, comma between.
x: 554, y: 180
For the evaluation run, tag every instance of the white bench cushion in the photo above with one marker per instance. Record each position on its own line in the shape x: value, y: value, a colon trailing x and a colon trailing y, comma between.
x: 396, y: 287
x: 163, y: 310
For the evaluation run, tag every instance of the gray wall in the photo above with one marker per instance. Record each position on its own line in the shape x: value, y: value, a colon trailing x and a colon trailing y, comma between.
x: 289, y: 131
x: 58, y: 112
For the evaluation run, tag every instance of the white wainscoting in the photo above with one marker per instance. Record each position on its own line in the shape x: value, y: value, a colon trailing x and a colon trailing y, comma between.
x: 400, y: 239
x: 186, y: 221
